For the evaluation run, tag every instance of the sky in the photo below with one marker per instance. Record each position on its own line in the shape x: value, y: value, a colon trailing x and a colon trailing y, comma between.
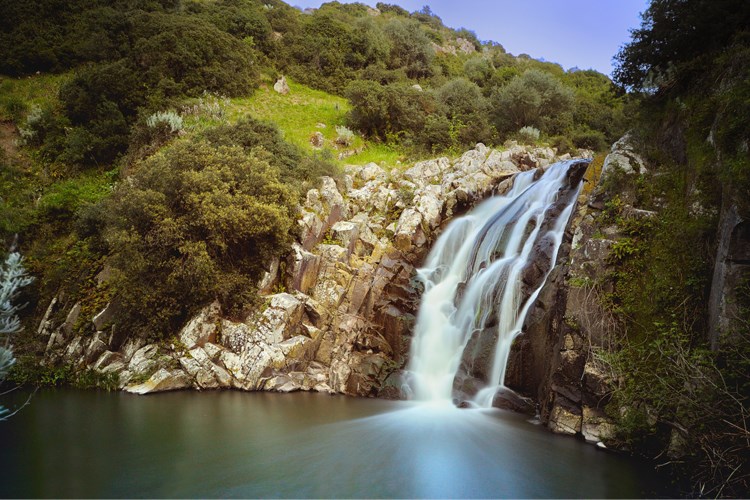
x: 574, y: 33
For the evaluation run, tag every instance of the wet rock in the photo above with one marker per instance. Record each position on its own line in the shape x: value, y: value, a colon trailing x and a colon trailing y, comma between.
x: 565, y: 418
x: 506, y: 399
x: 596, y: 426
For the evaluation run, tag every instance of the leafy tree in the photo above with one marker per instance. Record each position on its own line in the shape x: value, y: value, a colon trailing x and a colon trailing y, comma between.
x: 411, y: 49
x: 676, y: 39
x: 194, y: 223
x: 467, y: 109
x: 394, y: 110
x: 535, y: 99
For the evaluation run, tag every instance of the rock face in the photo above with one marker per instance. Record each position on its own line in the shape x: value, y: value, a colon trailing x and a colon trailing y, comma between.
x: 554, y: 360
x: 344, y: 322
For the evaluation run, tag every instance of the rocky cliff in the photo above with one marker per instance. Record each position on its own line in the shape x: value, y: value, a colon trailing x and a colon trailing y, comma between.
x: 338, y: 311
x: 555, y: 359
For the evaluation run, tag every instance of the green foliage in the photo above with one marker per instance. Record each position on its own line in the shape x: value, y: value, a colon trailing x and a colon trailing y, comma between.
x: 194, y: 223
x: 534, y: 99
x: 676, y: 39
x: 673, y: 395
x: 391, y: 110
x: 264, y: 141
x: 464, y: 103
x: 411, y: 49
x: 528, y: 134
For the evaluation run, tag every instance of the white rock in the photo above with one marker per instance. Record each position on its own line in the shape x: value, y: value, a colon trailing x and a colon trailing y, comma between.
x: 202, y: 327
x: 162, y: 380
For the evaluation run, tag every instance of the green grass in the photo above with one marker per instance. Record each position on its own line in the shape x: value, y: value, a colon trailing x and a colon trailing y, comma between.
x: 38, y: 90
x: 298, y: 114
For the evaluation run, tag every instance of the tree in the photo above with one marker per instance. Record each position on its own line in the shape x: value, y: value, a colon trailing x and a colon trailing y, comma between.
x: 194, y: 223
x: 411, y: 49
x: 13, y: 277
x: 676, y: 39
x: 535, y: 98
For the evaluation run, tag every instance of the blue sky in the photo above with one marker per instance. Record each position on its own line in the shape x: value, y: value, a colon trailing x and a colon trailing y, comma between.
x: 582, y: 33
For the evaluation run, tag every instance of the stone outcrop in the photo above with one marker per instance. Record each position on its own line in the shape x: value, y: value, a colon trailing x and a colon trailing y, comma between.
x: 281, y: 86
x: 343, y: 320
x: 555, y: 359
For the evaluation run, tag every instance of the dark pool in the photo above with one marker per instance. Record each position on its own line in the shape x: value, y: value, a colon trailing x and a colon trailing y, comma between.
x: 70, y: 443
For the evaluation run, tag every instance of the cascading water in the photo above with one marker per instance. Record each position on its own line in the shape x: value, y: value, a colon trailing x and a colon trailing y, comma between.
x: 480, y: 279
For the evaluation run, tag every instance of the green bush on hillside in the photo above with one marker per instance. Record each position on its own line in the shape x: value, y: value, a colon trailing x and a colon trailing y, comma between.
x: 194, y: 223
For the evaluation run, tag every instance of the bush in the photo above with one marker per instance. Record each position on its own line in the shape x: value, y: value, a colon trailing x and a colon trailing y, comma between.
x: 535, y: 99
x: 194, y: 223
x: 344, y: 136
x: 264, y: 141
x: 528, y: 134
x: 563, y: 144
x: 590, y: 139
x: 168, y: 119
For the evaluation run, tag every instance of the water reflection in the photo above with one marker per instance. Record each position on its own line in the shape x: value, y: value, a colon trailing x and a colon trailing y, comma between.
x: 231, y: 444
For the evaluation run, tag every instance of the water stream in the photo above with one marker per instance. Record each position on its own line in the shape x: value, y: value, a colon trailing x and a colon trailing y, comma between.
x: 475, y: 300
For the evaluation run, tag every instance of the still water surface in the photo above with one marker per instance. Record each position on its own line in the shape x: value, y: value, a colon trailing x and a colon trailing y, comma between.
x: 69, y: 443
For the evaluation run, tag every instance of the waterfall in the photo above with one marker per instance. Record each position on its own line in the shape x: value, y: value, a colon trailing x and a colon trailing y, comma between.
x: 480, y: 279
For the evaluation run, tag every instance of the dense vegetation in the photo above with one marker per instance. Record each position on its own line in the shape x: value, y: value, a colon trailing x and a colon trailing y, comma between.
x: 686, y: 402
x: 102, y: 177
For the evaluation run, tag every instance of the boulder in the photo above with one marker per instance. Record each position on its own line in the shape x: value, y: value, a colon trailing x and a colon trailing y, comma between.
x: 281, y: 86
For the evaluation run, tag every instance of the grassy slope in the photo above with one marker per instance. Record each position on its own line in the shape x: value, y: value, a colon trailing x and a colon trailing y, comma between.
x: 298, y: 114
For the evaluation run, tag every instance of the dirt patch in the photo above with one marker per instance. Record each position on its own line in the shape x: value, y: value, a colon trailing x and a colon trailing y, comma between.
x: 9, y: 139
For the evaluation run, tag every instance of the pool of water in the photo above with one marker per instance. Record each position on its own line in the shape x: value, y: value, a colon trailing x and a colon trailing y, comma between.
x: 70, y: 443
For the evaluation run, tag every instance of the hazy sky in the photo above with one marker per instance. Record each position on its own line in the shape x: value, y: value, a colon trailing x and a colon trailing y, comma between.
x: 582, y: 33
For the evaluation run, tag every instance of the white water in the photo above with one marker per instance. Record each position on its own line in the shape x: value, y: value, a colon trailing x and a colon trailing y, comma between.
x: 484, y: 252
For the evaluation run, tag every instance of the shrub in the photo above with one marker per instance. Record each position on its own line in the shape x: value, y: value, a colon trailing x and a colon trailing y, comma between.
x: 344, y: 136
x: 528, y: 134
x: 563, y: 144
x: 170, y: 119
x: 194, y: 223
x: 534, y: 98
x: 590, y: 139
x: 264, y: 141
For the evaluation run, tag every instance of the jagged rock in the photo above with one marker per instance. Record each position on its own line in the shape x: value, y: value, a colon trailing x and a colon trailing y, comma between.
x: 623, y: 158
x: 95, y: 348
x: 506, y: 399
x: 265, y: 286
x: 304, y: 269
x: 143, y: 359
x: 105, y: 316
x: 109, y: 362
x: 71, y: 319
x: 409, y: 232
x: 596, y: 426
x: 162, y: 380
x: 565, y: 419
x: 202, y: 327
x: 465, y: 46
x: 347, y: 233
x: 281, y: 86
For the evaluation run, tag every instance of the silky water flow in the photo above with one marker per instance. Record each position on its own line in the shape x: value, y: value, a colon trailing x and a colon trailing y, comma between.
x: 474, y: 286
